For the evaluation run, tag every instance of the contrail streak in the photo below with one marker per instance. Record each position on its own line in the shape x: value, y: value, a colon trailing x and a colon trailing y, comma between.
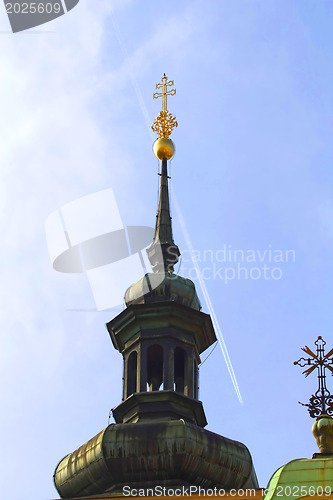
x: 136, y: 87
x: 148, y: 121
x: 208, y: 301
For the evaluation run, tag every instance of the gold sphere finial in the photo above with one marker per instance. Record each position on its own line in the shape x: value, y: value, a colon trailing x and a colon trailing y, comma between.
x: 322, y: 430
x: 164, y: 148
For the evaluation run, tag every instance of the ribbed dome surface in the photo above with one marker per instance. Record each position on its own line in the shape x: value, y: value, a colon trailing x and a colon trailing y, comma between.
x: 154, y: 453
x: 157, y: 287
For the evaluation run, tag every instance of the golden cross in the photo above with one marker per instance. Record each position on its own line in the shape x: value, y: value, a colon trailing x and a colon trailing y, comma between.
x: 165, y: 122
x: 165, y: 92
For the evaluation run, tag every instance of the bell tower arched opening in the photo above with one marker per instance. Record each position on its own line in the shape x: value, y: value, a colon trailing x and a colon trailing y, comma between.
x: 132, y: 374
x: 179, y: 370
x: 155, y: 367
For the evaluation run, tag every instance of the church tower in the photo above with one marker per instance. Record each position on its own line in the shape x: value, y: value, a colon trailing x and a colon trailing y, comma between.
x: 311, y: 477
x: 159, y: 437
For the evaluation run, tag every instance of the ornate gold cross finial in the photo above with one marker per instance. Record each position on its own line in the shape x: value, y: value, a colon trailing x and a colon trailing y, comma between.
x: 164, y: 85
x: 165, y: 122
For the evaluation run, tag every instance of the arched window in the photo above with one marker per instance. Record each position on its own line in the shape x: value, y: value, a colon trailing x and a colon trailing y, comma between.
x: 195, y: 379
x: 155, y: 367
x: 179, y: 370
x: 132, y: 373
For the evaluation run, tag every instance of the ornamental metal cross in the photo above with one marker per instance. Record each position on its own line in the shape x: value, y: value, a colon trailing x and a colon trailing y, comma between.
x: 164, y: 86
x: 165, y: 122
x: 321, y: 403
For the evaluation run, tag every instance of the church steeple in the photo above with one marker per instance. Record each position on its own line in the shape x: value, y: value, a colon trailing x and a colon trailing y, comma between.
x: 158, y: 437
x: 163, y: 253
x: 162, y: 332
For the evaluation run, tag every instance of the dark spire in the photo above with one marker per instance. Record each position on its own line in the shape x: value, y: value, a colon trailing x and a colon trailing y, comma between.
x: 163, y: 253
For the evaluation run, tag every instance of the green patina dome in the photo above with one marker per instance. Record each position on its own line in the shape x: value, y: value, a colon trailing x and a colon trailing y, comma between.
x: 157, y: 287
x: 155, y: 453
x: 302, y: 477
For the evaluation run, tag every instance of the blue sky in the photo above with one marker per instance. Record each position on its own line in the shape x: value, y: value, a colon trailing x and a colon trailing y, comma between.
x: 253, y: 170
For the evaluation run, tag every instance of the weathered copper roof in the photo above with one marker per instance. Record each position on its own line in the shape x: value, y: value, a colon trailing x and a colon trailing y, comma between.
x: 147, y: 454
x: 302, y: 478
x: 163, y: 286
x: 159, y: 405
